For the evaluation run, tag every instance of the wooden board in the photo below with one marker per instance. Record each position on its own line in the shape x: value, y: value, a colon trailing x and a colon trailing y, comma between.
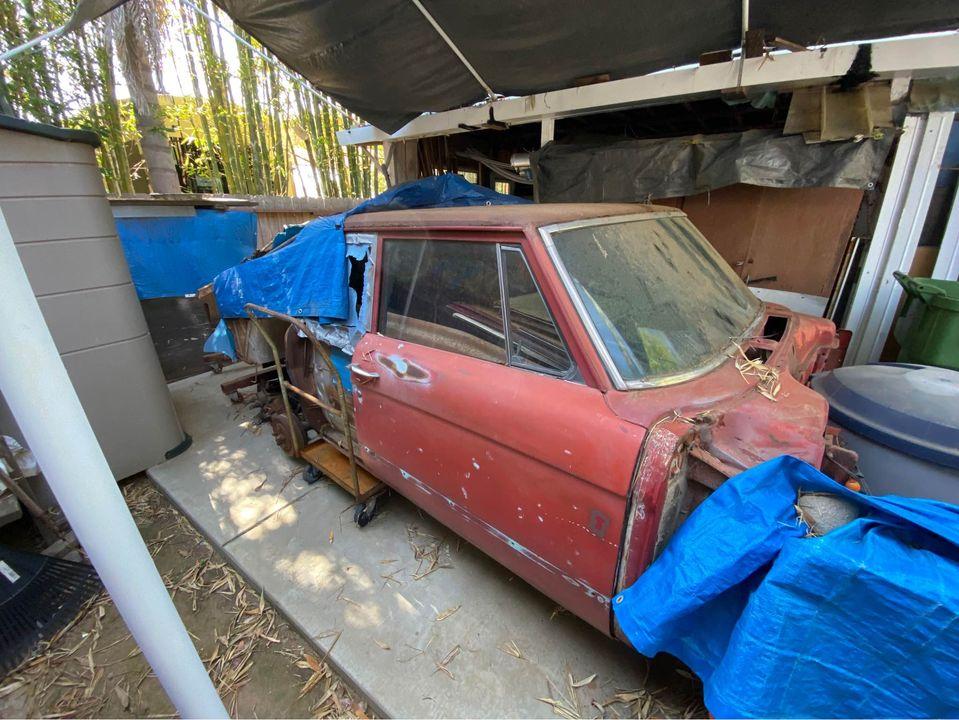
x: 798, y: 235
x: 335, y: 465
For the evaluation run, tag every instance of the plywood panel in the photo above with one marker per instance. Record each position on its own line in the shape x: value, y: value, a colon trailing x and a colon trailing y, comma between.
x: 179, y: 327
x: 800, y: 237
x: 727, y: 217
x: 797, y: 235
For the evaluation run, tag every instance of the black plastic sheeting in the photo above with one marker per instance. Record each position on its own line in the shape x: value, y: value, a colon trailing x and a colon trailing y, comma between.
x: 641, y: 170
x: 383, y: 60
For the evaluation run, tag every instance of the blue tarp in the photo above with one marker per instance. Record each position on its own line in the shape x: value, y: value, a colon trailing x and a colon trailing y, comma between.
x: 307, y: 277
x: 221, y: 341
x: 173, y: 256
x: 861, y: 622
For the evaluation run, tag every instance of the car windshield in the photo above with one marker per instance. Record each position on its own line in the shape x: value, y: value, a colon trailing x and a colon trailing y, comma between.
x: 662, y: 300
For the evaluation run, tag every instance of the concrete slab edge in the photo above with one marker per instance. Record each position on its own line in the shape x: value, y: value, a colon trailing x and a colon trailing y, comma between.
x: 340, y: 670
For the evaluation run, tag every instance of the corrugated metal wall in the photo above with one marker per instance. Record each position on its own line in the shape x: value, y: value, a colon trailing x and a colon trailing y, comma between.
x: 52, y: 198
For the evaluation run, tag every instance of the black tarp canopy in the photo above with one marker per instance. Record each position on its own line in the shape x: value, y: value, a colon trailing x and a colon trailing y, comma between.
x: 383, y: 60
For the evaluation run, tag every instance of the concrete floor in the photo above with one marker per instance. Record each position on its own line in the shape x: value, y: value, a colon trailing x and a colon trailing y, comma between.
x: 395, y: 638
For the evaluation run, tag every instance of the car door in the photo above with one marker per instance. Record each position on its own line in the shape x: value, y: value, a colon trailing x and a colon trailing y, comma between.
x: 480, y: 416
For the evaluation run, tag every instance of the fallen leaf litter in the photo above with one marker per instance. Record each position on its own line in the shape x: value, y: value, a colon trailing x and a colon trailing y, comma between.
x: 76, y: 679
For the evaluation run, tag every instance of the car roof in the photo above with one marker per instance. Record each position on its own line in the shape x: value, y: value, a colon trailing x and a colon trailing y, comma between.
x: 500, y: 216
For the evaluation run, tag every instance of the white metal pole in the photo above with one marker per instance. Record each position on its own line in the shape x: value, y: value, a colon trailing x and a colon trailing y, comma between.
x: 877, y: 256
x: 39, y: 392
x: 947, y: 262
x: 900, y: 235
x: 456, y: 51
x: 19, y: 49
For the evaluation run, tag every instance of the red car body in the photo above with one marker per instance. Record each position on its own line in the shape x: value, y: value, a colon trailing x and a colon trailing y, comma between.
x: 568, y: 484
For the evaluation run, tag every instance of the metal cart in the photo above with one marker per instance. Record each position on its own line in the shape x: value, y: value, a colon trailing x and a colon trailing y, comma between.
x: 325, y: 458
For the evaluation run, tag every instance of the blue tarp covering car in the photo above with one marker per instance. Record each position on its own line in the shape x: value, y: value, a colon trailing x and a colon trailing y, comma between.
x: 777, y: 621
x: 306, y: 276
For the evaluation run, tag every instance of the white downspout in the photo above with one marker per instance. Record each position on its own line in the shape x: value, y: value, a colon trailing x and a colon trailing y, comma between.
x: 39, y: 392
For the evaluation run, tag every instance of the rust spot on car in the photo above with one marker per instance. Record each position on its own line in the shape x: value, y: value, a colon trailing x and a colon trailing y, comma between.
x: 598, y: 523
x: 403, y: 368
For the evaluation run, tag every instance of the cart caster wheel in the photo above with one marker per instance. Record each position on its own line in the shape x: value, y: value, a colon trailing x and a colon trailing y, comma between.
x: 312, y: 475
x: 288, y: 434
x: 235, y: 397
x: 364, y: 513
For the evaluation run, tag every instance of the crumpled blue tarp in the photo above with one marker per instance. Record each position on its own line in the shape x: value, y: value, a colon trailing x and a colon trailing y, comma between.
x: 307, y: 276
x: 173, y: 256
x: 862, y: 622
x: 221, y: 341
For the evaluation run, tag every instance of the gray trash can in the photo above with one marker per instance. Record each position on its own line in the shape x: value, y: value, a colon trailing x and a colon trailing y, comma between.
x: 903, y: 420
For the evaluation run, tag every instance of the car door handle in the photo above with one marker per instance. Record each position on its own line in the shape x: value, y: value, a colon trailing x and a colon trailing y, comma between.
x: 360, y: 372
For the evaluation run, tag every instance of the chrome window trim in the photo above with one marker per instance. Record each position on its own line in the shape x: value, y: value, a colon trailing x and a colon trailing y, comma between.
x: 503, y: 302
x: 572, y: 372
x: 546, y: 233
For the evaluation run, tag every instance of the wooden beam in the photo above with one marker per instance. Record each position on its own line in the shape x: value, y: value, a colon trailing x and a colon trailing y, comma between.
x: 929, y: 56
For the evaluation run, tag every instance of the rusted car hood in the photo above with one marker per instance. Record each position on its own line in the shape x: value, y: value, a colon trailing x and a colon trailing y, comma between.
x: 750, y: 427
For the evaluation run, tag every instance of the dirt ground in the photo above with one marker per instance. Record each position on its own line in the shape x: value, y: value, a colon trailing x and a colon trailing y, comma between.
x: 259, y: 664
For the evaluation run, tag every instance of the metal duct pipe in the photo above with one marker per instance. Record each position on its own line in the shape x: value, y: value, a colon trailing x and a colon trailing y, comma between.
x: 39, y: 392
x: 519, y: 161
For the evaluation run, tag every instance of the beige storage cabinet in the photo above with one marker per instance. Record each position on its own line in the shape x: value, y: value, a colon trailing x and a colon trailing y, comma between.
x: 54, y: 203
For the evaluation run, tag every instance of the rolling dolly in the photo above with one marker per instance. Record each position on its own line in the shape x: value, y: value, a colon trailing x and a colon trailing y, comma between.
x: 336, y: 461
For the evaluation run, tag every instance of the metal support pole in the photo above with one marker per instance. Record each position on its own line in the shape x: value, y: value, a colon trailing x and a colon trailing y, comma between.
x: 19, y: 49
x: 947, y: 262
x: 744, y: 28
x: 39, y: 392
x: 902, y: 216
x: 456, y: 51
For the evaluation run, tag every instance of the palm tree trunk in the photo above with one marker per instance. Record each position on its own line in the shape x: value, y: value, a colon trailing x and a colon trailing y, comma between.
x: 133, y: 50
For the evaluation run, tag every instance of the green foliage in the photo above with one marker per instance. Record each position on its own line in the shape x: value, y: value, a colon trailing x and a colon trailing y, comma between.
x: 255, y: 141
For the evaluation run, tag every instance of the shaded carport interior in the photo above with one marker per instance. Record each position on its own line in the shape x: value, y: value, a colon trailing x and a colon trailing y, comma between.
x: 417, y: 69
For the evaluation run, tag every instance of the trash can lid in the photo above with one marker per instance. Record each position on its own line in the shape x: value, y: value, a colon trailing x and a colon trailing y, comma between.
x: 910, y: 408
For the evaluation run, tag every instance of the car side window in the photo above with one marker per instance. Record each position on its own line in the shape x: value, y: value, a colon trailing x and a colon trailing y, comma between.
x: 534, y: 340
x: 444, y: 294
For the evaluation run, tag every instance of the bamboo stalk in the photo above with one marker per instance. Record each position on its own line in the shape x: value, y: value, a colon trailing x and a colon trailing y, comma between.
x: 211, y: 154
x: 248, y: 138
x: 105, y: 53
x: 244, y: 161
x: 307, y: 137
x: 323, y: 155
x: 251, y: 107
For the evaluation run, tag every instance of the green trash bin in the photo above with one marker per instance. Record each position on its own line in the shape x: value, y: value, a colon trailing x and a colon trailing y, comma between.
x: 932, y: 335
